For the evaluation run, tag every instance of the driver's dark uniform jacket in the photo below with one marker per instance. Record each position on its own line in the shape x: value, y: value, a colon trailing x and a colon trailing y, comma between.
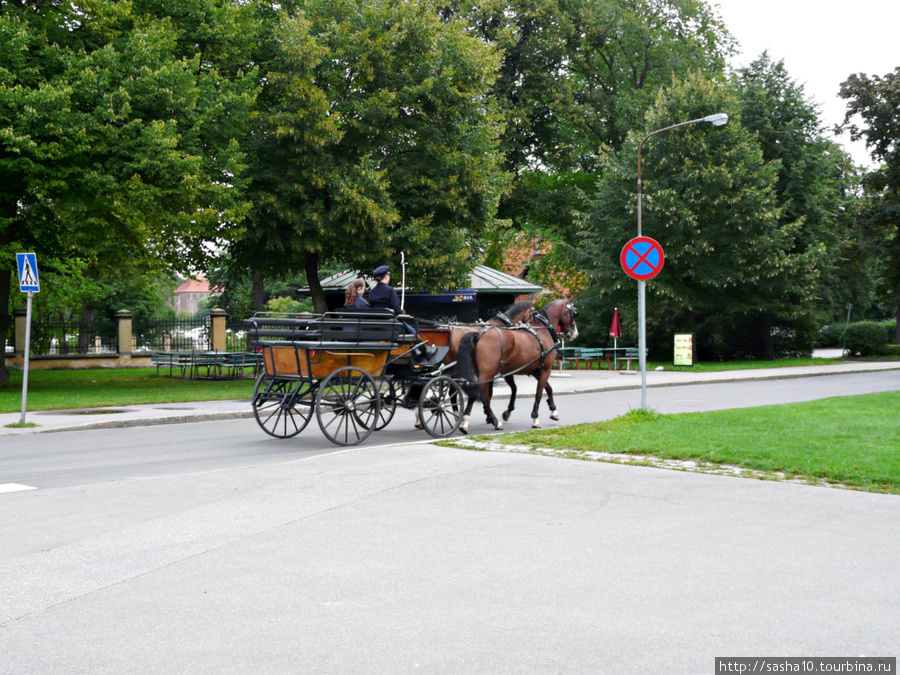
x: 384, y: 296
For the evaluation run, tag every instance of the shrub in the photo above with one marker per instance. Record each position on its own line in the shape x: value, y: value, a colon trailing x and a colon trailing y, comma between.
x: 830, y: 335
x: 865, y: 338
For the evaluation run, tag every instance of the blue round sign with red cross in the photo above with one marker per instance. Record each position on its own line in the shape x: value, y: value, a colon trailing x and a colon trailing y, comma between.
x: 642, y: 258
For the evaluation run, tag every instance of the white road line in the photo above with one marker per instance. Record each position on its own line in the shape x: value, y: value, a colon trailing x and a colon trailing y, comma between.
x: 14, y: 487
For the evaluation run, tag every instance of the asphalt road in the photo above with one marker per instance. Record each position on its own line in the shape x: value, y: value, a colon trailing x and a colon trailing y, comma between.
x: 96, y: 456
x: 211, y: 548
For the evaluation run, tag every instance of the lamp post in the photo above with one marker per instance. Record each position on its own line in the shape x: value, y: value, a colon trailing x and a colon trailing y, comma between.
x: 716, y: 120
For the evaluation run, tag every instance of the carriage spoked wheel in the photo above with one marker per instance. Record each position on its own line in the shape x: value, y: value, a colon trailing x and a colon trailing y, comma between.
x: 441, y: 406
x: 348, y: 405
x: 391, y: 392
x: 282, y: 407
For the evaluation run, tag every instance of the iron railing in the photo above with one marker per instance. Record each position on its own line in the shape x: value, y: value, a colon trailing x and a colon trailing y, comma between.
x: 182, y: 335
x: 73, y: 337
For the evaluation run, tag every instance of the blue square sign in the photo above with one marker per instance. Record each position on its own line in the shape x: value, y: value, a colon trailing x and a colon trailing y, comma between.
x: 28, y: 272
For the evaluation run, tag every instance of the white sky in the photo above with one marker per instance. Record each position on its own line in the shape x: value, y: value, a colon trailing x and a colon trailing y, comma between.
x: 821, y: 45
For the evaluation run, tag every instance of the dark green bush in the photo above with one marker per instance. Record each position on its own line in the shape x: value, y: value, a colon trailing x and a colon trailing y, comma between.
x: 865, y: 338
x: 830, y: 335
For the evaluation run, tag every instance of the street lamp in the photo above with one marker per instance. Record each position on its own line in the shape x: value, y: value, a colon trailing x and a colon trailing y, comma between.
x: 716, y: 120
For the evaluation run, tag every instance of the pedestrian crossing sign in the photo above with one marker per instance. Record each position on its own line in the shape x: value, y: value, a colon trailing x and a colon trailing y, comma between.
x: 28, y: 272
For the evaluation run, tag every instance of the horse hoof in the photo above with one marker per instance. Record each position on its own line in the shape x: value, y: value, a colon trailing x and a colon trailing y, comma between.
x: 554, y: 416
x: 465, y: 431
x: 499, y: 427
x: 506, y: 416
x: 418, y: 425
x: 535, y: 425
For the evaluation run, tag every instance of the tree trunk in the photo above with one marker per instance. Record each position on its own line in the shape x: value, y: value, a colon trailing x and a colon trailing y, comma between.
x: 86, y: 334
x: 257, y: 291
x: 5, y: 322
x: 768, y: 342
x: 315, y: 287
x: 897, y: 332
x: 8, y: 209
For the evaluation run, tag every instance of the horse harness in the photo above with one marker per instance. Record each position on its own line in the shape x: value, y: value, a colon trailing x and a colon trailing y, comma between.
x: 536, y: 316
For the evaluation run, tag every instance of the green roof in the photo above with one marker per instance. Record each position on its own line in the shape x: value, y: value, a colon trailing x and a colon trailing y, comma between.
x: 482, y: 279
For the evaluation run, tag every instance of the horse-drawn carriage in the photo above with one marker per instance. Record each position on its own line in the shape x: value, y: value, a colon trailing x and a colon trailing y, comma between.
x: 352, y: 368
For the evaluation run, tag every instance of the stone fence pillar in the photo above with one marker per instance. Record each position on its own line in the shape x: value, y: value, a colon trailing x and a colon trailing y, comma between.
x: 217, y: 318
x: 123, y: 317
x: 20, y: 316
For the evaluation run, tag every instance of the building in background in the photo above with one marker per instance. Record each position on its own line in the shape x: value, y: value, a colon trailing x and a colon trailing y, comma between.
x: 187, y: 297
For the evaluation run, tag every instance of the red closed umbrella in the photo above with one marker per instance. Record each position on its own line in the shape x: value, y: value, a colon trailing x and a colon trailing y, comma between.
x: 615, y: 330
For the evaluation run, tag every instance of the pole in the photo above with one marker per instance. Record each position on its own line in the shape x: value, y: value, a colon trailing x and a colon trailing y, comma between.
x: 642, y: 297
x: 716, y: 120
x: 846, y: 325
x: 27, y: 352
x: 403, y: 281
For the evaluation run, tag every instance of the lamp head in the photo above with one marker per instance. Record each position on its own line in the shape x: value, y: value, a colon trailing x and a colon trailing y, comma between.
x: 716, y: 120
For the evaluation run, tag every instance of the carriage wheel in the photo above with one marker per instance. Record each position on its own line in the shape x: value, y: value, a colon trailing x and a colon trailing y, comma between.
x: 391, y: 393
x: 441, y: 406
x: 282, y: 407
x: 347, y: 406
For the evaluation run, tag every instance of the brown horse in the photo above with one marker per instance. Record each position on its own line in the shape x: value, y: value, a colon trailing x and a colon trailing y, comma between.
x: 517, y: 313
x: 527, y: 350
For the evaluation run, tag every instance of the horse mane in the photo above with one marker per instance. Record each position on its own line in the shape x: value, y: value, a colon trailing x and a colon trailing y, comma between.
x: 543, y: 310
x: 517, y: 307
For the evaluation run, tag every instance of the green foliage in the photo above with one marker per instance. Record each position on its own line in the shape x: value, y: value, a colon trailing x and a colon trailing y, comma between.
x: 707, y: 193
x: 120, y: 125
x: 864, y: 338
x: 814, y: 187
x: 876, y: 100
x: 376, y: 135
x: 288, y: 305
x: 830, y: 335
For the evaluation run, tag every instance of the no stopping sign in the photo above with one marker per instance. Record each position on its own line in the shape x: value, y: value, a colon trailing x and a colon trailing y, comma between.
x: 642, y: 258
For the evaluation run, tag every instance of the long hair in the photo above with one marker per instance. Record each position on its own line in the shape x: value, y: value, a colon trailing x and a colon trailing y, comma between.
x: 355, y: 289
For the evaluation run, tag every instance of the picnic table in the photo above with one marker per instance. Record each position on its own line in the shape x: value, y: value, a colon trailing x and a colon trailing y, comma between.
x: 206, y: 364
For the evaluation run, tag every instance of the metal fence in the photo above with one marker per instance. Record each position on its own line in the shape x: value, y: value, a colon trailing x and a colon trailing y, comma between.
x: 235, y: 335
x: 73, y: 337
x: 52, y: 338
x: 171, y: 336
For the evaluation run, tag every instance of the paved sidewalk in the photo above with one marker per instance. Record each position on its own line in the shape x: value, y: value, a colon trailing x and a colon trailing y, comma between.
x: 567, y: 382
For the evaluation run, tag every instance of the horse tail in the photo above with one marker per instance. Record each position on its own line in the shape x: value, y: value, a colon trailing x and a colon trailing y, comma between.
x: 466, y: 367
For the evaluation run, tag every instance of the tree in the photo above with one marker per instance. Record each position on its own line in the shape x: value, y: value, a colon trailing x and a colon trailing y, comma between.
x: 731, y: 275
x: 118, y: 134
x: 815, y: 185
x: 576, y: 76
x: 376, y: 135
x: 877, y: 101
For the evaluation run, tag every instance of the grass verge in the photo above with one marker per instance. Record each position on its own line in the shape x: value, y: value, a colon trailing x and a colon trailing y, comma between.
x: 846, y: 441
x: 69, y: 389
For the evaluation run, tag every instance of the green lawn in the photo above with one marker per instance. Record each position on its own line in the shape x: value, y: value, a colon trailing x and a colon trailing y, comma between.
x: 67, y: 389
x: 852, y: 441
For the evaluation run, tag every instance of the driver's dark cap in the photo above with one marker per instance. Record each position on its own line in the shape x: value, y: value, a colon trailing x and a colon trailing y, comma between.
x: 381, y: 271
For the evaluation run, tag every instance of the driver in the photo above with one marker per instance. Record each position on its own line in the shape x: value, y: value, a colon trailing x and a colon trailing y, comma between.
x: 384, y: 296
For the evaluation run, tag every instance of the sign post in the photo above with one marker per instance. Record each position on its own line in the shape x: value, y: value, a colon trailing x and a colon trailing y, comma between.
x: 28, y: 283
x: 642, y: 258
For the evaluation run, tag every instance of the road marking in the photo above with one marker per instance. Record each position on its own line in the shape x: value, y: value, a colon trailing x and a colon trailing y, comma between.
x: 14, y: 487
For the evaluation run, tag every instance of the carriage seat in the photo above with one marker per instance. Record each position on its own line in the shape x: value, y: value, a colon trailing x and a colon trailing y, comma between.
x: 364, y: 327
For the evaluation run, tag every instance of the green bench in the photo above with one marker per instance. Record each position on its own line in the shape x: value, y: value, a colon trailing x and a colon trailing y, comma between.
x: 613, y: 356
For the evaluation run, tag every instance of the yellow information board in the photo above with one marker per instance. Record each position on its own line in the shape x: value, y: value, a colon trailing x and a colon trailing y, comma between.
x: 684, y: 349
